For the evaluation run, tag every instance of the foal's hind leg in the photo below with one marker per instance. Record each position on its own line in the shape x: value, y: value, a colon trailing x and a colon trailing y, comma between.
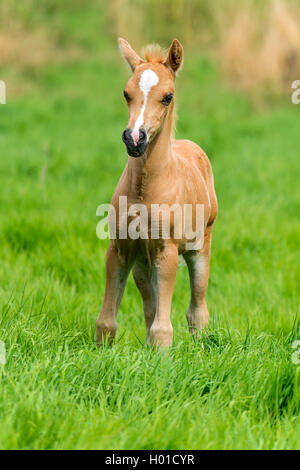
x: 116, y: 277
x: 198, y: 266
x: 146, y: 280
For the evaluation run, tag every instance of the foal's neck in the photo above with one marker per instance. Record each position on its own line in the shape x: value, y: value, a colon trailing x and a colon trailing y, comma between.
x: 158, y: 155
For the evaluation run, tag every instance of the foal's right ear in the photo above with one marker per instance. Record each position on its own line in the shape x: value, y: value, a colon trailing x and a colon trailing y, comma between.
x: 129, y: 54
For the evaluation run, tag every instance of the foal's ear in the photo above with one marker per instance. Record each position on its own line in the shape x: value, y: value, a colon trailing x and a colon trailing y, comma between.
x: 175, y: 56
x: 129, y: 54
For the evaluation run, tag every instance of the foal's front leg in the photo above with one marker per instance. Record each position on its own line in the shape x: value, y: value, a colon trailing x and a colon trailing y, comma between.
x: 161, y: 331
x: 116, y: 277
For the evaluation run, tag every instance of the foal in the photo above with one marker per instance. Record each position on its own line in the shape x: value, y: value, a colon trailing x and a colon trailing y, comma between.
x: 160, y: 170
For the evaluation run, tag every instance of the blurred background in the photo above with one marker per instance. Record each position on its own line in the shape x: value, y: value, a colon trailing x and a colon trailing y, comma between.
x: 256, y: 43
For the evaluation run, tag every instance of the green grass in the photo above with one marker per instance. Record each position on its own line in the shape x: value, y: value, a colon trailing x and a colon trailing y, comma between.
x: 61, y: 156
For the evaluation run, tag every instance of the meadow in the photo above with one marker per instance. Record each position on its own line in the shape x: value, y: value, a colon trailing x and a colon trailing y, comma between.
x: 61, y: 156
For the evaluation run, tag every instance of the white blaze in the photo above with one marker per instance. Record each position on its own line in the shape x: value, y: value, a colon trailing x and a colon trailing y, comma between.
x: 147, y: 81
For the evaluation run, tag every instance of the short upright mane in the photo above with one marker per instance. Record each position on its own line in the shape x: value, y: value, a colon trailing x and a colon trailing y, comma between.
x: 154, y: 54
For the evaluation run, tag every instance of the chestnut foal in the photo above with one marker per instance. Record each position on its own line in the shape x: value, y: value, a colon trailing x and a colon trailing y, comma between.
x: 160, y: 170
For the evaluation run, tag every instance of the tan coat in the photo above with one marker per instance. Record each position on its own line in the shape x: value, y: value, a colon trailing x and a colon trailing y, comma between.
x: 169, y: 171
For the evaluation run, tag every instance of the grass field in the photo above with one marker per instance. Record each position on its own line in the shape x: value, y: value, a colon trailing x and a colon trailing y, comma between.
x: 61, y: 156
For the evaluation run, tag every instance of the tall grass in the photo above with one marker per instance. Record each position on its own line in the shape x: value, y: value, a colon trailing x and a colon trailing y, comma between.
x: 262, y: 47
x: 30, y: 33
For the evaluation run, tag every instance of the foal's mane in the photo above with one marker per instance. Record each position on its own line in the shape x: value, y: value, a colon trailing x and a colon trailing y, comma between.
x: 154, y: 54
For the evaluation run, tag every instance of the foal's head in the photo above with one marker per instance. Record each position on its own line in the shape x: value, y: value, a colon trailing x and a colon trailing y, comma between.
x: 149, y: 93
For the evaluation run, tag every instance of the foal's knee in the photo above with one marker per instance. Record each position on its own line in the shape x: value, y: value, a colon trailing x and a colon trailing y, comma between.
x: 105, y: 331
x: 161, y: 336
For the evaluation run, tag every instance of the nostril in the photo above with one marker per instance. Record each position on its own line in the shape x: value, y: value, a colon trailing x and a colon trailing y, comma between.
x: 142, y: 135
x: 126, y: 135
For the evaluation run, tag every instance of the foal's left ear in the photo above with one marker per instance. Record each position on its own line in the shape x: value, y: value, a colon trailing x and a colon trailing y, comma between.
x: 129, y: 54
x: 175, y: 56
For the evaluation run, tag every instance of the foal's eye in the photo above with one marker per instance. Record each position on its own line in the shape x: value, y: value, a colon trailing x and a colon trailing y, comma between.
x: 126, y: 96
x: 167, y: 99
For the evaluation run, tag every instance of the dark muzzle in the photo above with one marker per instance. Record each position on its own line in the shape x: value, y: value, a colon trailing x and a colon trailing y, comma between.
x: 140, y: 148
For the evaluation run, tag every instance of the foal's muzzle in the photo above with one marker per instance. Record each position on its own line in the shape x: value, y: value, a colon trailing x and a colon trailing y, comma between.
x: 140, y: 148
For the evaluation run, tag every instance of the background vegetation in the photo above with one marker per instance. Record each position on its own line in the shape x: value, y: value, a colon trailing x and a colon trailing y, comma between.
x: 62, y: 155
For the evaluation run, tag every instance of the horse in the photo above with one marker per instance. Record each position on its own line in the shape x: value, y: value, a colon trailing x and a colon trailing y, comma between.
x: 160, y: 171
